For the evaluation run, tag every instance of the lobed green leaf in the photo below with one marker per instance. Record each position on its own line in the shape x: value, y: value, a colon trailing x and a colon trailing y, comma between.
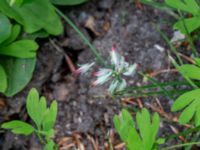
x: 190, y: 71
x: 190, y: 102
x: 145, y: 138
x: 50, y: 117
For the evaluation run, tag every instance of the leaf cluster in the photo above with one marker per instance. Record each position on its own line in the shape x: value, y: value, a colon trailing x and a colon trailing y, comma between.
x: 13, y: 57
x: 189, y: 102
x: 43, y: 117
x: 186, y: 25
x: 35, y: 18
x: 142, y: 139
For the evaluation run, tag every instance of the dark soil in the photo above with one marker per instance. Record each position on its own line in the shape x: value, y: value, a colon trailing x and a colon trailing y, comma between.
x: 85, y: 110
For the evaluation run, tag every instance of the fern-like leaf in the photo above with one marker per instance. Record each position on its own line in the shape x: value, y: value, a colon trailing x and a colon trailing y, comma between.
x: 190, y: 102
x: 145, y: 138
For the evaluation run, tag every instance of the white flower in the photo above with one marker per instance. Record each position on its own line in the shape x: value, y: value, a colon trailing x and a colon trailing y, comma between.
x: 130, y: 70
x: 119, y: 67
x: 103, y: 78
x: 115, y: 58
x: 102, y: 72
x: 84, y: 68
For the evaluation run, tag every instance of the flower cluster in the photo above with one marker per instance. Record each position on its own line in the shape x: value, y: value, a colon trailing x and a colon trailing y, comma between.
x: 115, y: 72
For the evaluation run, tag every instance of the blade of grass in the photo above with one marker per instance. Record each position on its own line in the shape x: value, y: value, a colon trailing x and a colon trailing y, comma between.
x: 92, y: 48
x: 180, y: 145
x: 158, y: 84
x: 184, y: 133
x: 154, y: 93
x: 150, y: 86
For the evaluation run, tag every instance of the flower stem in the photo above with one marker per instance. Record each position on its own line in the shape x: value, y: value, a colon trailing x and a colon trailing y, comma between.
x: 180, y: 145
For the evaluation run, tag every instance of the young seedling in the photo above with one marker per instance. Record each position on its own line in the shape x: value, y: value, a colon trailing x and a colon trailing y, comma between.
x: 43, y: 117
x: 145, y: 137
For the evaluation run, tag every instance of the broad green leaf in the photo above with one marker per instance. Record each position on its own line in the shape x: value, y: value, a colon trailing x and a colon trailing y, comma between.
x: 190, y: 71
x: 68, y: 2
x: 20, y: 49
x: 190, y: 102
x: 13, y: 36
x: 187, y: 25
x: 33, y: 17
x: 5, y: 28
x: 18, y: 127
x: 19, y: 73
x: 189, y: 6
x: 145, y: 138
x: 3, y: 80
x: 50, y: 116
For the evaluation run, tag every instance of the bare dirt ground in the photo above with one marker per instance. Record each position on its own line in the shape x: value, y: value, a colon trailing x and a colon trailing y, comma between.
x: 85, y: 112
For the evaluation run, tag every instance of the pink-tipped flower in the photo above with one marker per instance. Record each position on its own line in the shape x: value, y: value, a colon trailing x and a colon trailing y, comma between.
x: 84, y: 68
x: 114, y: 57
x: 104, y: 77
x: 102, y: 72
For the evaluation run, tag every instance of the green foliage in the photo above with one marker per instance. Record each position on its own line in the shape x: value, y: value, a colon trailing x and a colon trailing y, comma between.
x: 18, y: 73
x: 190, y: 102
x: 145, y: 137
x: 19, y: 127
x: 190, y: 6
x: 43, y: 117
x: 15, y: 72
x: 3, y: 85
x: 33, y: 17
x: 190, y: 71
x: 5, y: 27
x: 185, y: 25
x: 68, y: 2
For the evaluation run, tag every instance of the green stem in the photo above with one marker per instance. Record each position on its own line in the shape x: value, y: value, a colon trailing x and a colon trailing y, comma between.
x: 93, y: 49
x: 150, y: 86
x: 184, y: 133
x: 40, y: 137
x: 158, y: 84
x: 180, y: 145
x: 172, y: 92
